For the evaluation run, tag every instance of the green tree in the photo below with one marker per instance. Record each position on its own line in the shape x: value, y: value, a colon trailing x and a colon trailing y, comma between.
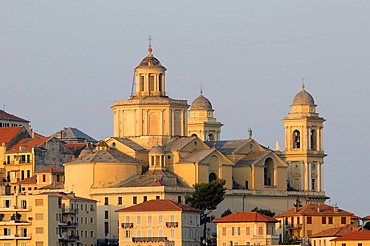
x: 206, y: 198
x: 367, y: 226
x: 226, y: 212
x: 267, y: 212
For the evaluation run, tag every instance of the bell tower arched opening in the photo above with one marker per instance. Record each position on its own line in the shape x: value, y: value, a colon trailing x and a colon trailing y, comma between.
x: 296, y: 139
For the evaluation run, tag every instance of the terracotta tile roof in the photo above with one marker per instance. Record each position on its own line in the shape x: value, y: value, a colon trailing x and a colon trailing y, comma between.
x: 67, y: 196
x: 337, y: 232
x: 245, y: 217
x: 31, y: 180
x: 50, y: 170
x: 8, y: 133
x: 366, y: 218
x: 26, y: 145
x: 357, y: 235
x: 314, y: 210
x: 5, y: 116
x: 159, y: 205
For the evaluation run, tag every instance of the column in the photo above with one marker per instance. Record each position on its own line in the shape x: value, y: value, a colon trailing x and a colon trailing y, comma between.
x: 146, y: 122
x: 310, y: 176
x: 306, y: 176
x: 302, y: 179
x: 322, y: 175
x: 173, y: 121
x: 318, y: 170
x: 182, y: 123
x: 161, y: 123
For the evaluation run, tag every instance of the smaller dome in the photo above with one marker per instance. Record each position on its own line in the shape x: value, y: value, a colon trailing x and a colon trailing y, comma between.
x: 303, y: 98
x: 157, y: 149
x: 201, y: 102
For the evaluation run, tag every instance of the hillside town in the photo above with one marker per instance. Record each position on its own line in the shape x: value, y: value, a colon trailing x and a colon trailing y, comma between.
x: 70, y: 189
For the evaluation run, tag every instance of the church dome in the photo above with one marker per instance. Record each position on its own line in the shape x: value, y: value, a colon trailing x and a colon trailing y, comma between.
x: 201, y: 102
x: 157, y: 149
x: 150, y: 60
x: 303, y: 98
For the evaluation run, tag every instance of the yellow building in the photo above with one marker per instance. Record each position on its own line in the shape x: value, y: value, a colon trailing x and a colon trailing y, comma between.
x: 303, y: 222
x: 246, y: 228
x: 42, y: 220
x: 158, y: 152
x: 159, y: 222
x: 358, y: 238
x: 324, y: 237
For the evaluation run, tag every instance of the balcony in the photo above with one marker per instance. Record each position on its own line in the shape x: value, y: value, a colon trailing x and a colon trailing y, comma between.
x: 24, y: 236
x: 70, y: 211
x: 14, y: 223
x: 68, y: 238
x: 148, y: 239
x: 67, y: 224
x: 127, y: 225
x: 16, y: 209
x: 268, y: 236
x: 172, y: 224
x: 293, y: 226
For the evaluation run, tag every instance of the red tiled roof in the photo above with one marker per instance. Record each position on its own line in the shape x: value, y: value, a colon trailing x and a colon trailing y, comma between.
x: 26, y: 145
x: 159, y: 205
x: 366, y: 218
x: 314, y: 210
x: 245, y: 217
x: 357, y: 235
x: 5, y: 116
x: 50, y: 170
x: 73, y: 146
x: 337, y: 232
x: 31, y: 180
x: 8, y: 133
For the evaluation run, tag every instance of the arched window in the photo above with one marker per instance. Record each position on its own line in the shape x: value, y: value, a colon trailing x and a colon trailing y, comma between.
x: 313, y: 139
x: 142, y: 82
x: 194, y: 135
x: 268, y: 172
x: 296, y: 139
x: 211, y: 137
x: 211, y: 177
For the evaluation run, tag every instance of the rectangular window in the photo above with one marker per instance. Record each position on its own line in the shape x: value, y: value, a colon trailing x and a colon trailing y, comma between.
x: 149, y: 219
x: 160, y: 218
x: 330, y: 220
x: 343, y: 244
x: 44, y: 178
x: 298, y: 220
x: 119, y: 200
x: 309, y: 233
x: 157, y: 197
x: 247, y: 231
x: 39, y: 243
x: 223, y: 231
x: 39, y: 216
x: 127, y: 219
x: 39, y: 202
x: 145, y: 198
x: 106, y: 228
x: 343, y: 220
x: 28, y: 173
x: 179, y: 200
x: 106, y: 214
x: 138, y: 219
x: 323, y: 220
x: 91, y: 233
x: 309, y: 220
x: 260, y: 230
x: 134, y: 200
x: 106, y: 201
x: 39, y: 230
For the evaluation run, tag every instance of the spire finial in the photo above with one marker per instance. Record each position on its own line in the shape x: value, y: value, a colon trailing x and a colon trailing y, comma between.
x: 201, y: 89
x: 150, y: 46
x: 303, y: 86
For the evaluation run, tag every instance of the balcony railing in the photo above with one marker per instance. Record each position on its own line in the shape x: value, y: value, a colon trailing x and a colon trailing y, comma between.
x: 127, y: 225
x: 148, y: 239
x: 16, y: 208
x: 70, y: 211
x: 14, y: 222
x: 294, y: 226
x: 66, y: 237
x: 25, y: 236
x: 172, y: 224
x: 68, y: 223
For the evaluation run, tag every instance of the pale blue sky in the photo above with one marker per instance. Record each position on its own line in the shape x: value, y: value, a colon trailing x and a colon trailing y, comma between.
x: 63, y: 63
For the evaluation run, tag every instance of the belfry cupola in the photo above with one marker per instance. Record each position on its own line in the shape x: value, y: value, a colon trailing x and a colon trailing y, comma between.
x: 201, y: 122
x: 150, y: 76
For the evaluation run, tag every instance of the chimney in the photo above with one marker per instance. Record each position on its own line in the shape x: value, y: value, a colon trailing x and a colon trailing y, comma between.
x: 335, y: 208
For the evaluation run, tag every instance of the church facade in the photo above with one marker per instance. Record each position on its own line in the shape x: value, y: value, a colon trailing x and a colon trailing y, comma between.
x: 160, y: 149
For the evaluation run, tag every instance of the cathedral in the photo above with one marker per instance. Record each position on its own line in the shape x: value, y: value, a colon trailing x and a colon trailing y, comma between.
x: 163, y: 146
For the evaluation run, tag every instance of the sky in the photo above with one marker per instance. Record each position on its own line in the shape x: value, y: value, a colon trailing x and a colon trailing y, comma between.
x: 64, y: 63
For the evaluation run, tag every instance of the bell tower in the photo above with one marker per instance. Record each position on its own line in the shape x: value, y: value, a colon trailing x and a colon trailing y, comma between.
x: 304, y: 144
